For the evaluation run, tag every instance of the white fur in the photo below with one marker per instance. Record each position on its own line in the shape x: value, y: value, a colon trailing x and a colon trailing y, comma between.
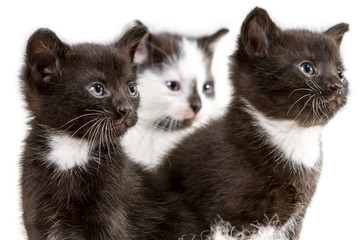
x: 67, y: 152
x: 157, y: 99
x: 263, y: 233
x: 224, y: 231
x: 300, y: 145
x: 145, y: 143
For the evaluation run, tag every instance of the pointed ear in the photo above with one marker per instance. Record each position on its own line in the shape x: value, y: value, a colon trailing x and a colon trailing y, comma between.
x: 142, y: 52
x: 337, y: 32
x: 45, y: 53
x: 133, y: 41
x: 256, y: 32
x: 209, y: 42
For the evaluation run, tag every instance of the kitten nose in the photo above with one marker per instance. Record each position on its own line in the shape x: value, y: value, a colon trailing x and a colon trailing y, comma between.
x: 195, y: 100
x: 336, y: 87
x: 196, y: 106
x: 124, y: 110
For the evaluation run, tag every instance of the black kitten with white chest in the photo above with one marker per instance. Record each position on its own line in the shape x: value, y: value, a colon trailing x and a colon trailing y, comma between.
x: 76, y: 182
x: 81, y: 98
x: 261, y: 162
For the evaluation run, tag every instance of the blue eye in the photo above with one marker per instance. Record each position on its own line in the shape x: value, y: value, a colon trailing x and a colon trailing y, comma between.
x: 341, y: 75
x: 173, y: 85
x: 97, y: 90
x: 132, y: 89
x: 307, y: 69
x: 208, y: 88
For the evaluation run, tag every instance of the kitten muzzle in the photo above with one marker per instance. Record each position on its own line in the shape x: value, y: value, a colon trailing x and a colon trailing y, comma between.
x: 125, y: 121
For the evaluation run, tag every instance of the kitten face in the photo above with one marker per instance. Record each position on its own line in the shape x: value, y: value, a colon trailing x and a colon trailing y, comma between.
x: 83, y: 90
x: 303, y: 68
x: 182, y: 85
x: 176, y: 81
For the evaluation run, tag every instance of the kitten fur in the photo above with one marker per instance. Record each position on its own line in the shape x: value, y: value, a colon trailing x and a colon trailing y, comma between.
x: 76, y: 182
x: 224, y: 231
x: 70, y: 172
x: 165, y: 115
x: 263, y: 158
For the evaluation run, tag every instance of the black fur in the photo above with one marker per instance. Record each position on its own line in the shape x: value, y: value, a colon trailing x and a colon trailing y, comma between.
x: 109, y: 196
x: 84, y: 202
x: 230, y: 168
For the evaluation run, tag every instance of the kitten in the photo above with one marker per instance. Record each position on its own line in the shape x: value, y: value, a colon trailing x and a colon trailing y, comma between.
x: 77, y: 182
x: 178, y: 93
x: 81, y: 99
x: 259, y: 164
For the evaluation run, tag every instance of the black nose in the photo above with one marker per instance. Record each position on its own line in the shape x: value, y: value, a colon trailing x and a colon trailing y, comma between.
x: 336, y: 87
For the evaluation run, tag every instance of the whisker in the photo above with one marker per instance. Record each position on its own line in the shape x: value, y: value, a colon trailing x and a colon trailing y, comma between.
x: 82, y: 127
x: 91, y: 133
x: 92, y: 129
x: 300, y: 89
x: 316, y: 110
x: 171, y: 124
x: 110, y: 135
x: 78, y: 117
x: 155, y: 124
x: 316, y: 85
x: 88, y: 131
x: 94, y: 111
x: 321, y: 110
x: 96, y: 135
x: 308, y: 81
x: 158, y: 143
x: 323, y: 103
x: 306, y: 95
x: 304, y: 106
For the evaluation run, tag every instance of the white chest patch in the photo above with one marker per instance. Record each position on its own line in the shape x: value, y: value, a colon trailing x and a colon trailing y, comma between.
x: 67, y: 152
x: 298, y: 144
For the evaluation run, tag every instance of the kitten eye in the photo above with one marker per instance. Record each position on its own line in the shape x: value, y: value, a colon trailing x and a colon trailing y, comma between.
x: 307, y: 69
x: 341, y: 75
x: 132, y: 89
x: 97, y: 90
x: 208, y: 88
x: 173, y: 85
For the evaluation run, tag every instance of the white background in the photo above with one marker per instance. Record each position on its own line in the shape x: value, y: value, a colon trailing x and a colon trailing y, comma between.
x: 335, y: 211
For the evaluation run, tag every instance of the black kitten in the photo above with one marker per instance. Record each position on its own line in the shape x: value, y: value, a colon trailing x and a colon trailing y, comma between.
x: 260, y: 163
x: 76, y: 181
x: 81, y: 99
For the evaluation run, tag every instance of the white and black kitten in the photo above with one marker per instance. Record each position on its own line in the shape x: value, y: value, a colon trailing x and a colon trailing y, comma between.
x: 81, y: 99
x: 178, y: 93
x: 77, y: 182
x: 260, y: 163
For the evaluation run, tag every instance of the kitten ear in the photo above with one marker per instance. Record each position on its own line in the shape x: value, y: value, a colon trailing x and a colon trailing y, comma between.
x: 134, y: 41
x: 44, y: 54
x: 141, y: 53
x: 209, y: 42
x: 256, y: 32
x: 337, y: 32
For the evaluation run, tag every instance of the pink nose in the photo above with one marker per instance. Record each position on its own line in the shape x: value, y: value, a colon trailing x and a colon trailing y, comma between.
x: 336, y: 87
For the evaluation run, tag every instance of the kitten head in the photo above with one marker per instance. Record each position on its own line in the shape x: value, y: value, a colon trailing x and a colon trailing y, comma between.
x: 175, y: 79
x: 290, y: 74
x: 85, y: 90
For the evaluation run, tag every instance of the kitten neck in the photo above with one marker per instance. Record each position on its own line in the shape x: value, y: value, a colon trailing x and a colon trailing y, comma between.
x: 295, y: 145
x: 67, y: 152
